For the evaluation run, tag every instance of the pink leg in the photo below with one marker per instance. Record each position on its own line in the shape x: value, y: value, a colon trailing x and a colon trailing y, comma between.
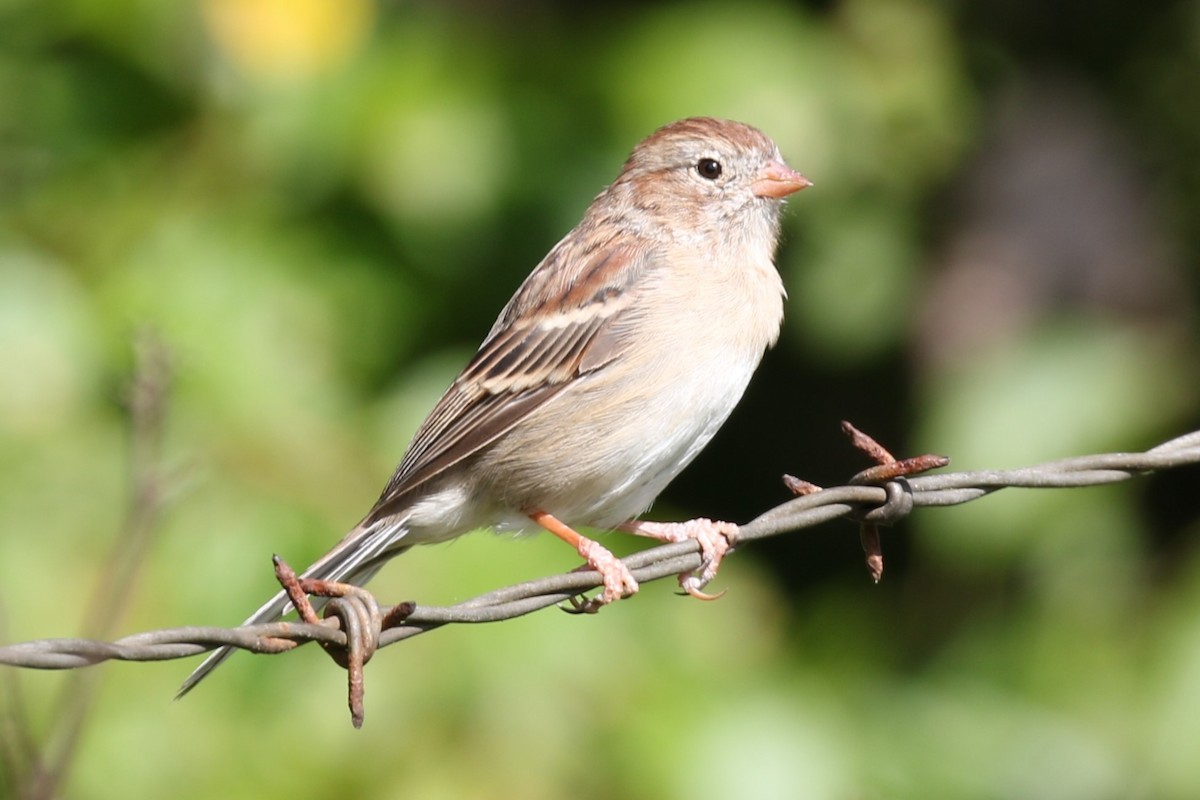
x: 618, y: 580
x: 715, y: 539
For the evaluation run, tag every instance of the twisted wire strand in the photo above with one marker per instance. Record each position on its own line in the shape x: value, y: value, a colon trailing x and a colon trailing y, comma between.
x: 896, y: 498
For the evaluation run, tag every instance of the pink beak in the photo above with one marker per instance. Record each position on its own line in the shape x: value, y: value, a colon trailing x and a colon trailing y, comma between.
x: 778, y: 180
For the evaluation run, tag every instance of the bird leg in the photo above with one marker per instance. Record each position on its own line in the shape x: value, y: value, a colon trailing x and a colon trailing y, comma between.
x: 618, y: 580
x: 715, y: 540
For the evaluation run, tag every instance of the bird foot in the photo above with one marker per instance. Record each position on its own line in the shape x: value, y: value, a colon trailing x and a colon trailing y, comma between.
x: 618, y: 580
x: 715, y: 540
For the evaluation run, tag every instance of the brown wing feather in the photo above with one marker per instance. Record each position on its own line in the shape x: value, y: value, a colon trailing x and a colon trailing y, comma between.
x: 530, y: 356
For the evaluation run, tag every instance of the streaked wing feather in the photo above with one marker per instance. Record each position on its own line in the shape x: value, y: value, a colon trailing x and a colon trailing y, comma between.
x: 529, y: 357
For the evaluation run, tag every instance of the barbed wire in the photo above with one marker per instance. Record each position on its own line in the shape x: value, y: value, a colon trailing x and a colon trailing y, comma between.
x: 869, y: 504
x: 946, y: 489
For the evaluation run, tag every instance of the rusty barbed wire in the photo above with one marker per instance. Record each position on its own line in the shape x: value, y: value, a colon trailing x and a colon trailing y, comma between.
x: 945, y: 489
x: 874, y: 504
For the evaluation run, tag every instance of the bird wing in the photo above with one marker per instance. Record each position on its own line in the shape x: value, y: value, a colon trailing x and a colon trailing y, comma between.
x: 557, y: 327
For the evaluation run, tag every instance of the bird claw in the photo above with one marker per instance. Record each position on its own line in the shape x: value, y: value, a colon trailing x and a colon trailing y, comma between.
x: 578, y: 605
x: 691, y: 586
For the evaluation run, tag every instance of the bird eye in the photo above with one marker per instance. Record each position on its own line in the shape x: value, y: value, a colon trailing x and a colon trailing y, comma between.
x: 709, y: 168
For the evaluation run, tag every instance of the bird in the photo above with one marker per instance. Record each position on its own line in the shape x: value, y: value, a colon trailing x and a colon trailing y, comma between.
x: 608, y: 371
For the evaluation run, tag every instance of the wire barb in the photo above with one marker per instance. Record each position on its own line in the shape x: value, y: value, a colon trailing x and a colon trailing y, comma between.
x: 358, y: 615
x: 338, y: 632
x: 888, y: 472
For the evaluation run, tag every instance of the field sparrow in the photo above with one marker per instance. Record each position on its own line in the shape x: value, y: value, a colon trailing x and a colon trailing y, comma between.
x: 611, y: 367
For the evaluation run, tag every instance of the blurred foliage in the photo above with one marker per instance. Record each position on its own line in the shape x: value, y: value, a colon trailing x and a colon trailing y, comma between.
x: 322, y: 204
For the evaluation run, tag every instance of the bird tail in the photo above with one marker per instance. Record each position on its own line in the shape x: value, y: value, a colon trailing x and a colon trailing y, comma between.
x: 355, y: 560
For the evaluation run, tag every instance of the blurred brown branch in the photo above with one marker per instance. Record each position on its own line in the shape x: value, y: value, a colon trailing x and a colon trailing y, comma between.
x: 40, y: 772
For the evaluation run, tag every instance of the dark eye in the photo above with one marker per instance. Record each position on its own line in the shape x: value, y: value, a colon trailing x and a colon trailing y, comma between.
x: 709, y: 168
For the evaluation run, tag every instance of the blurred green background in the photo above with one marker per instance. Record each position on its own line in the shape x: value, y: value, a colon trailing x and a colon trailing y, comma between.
x: 322, y: 204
